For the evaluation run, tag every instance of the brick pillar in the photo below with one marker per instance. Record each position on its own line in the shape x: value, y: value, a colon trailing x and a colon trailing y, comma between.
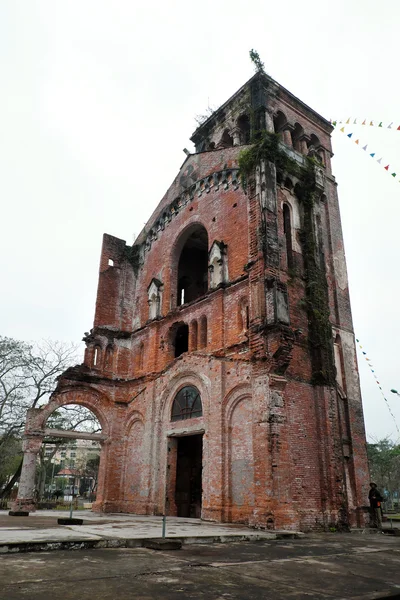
x: 25, y: 501
x: 303, y: 145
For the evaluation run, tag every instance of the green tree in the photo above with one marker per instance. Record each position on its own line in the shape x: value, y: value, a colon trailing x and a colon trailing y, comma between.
x: 257, y: 62
x: 384, y: 464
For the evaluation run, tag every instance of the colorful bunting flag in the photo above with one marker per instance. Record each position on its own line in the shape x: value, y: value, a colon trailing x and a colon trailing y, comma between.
x: 379, y: 385
x: 364, y: 122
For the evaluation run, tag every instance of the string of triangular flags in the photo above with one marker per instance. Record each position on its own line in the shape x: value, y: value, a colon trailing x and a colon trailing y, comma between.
x: 377, y: 382
x: 373, y: 155
x: 366, y: 122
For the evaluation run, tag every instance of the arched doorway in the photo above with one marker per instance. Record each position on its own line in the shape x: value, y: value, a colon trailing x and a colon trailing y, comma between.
x: 188, y: 452
x: 193, y: 266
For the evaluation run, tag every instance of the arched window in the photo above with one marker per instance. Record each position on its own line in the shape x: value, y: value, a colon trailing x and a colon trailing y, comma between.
x: 193, y: 267
x: 243, y: 124
x: 108, y: 363
x: 193, y: 336
x: 187, y: 404
x: 181, y: 342
x: 287, y: 229
x: 280, y: 121
x: 297, y: 134
x: 97, y: 357
x: 226, y: 140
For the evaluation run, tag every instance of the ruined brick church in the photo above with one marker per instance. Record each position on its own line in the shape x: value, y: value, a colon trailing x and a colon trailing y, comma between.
x: 221, y: 364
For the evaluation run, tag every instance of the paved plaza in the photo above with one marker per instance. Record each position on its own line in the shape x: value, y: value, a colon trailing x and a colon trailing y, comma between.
x: 319, y: 566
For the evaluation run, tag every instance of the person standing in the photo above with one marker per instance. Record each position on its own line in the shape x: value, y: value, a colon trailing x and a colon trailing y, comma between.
x: 375, y: 500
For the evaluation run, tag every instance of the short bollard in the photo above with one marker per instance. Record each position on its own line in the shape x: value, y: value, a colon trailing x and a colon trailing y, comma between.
x: 164, y: 523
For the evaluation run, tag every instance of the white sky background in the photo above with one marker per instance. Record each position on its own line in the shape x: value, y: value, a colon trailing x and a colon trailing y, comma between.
x: 98, y: 100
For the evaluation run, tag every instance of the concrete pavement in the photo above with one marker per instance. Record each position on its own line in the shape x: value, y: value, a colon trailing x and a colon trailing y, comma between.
x: 321, y: 566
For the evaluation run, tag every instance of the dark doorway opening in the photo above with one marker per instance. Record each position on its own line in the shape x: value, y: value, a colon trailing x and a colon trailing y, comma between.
x: 181, y: 340
x: 188, y: 476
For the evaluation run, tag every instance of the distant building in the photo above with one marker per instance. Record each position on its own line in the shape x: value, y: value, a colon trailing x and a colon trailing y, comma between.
x: 222, y: 364
x: 74, y: 454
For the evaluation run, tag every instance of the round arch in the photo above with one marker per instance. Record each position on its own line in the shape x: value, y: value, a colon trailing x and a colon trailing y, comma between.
x: 94, y: 401
x: 180, y: 380
x: 232, y: 399
x: 189, y: 263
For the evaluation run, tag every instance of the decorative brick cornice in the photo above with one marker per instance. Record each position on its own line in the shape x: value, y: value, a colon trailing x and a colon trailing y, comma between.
x: 212, y: 183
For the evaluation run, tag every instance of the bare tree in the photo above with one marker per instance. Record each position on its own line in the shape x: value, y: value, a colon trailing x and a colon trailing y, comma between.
x: 28, y: 375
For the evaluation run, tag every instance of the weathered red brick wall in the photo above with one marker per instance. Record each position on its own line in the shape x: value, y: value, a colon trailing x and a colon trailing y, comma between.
x: 277, y: 450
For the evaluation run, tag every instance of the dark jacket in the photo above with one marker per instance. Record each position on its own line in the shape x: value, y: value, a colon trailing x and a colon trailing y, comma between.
x: 374, y: 497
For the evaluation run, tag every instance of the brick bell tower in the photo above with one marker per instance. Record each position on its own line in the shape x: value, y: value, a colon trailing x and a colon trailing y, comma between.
x: 222, y: 361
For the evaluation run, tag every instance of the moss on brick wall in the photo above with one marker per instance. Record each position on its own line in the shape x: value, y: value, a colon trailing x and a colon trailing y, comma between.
x: 267, y: 147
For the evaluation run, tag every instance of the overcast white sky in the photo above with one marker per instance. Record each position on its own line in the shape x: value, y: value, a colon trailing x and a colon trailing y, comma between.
x: 98, y: 100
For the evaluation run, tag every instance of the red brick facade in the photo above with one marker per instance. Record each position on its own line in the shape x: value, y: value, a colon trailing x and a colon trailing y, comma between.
x: 277, y: 449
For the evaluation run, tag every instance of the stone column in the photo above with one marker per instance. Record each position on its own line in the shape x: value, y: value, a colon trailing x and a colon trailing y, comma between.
x: 25, y: 501
x: 235, y: 133
x: 287, y: 138
x: 269, y: 121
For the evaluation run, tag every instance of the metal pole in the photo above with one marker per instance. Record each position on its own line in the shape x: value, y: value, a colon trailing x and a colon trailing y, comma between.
x: 164, y: 519
x: 72, y: 497
x: 52, y: 478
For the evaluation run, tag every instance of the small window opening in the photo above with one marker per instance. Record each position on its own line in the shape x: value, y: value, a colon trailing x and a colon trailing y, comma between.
x: 287, y: 229
x: 181, y: 340
x: 110, y: 262
x: 187, y: 404
x: 96, y: 356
